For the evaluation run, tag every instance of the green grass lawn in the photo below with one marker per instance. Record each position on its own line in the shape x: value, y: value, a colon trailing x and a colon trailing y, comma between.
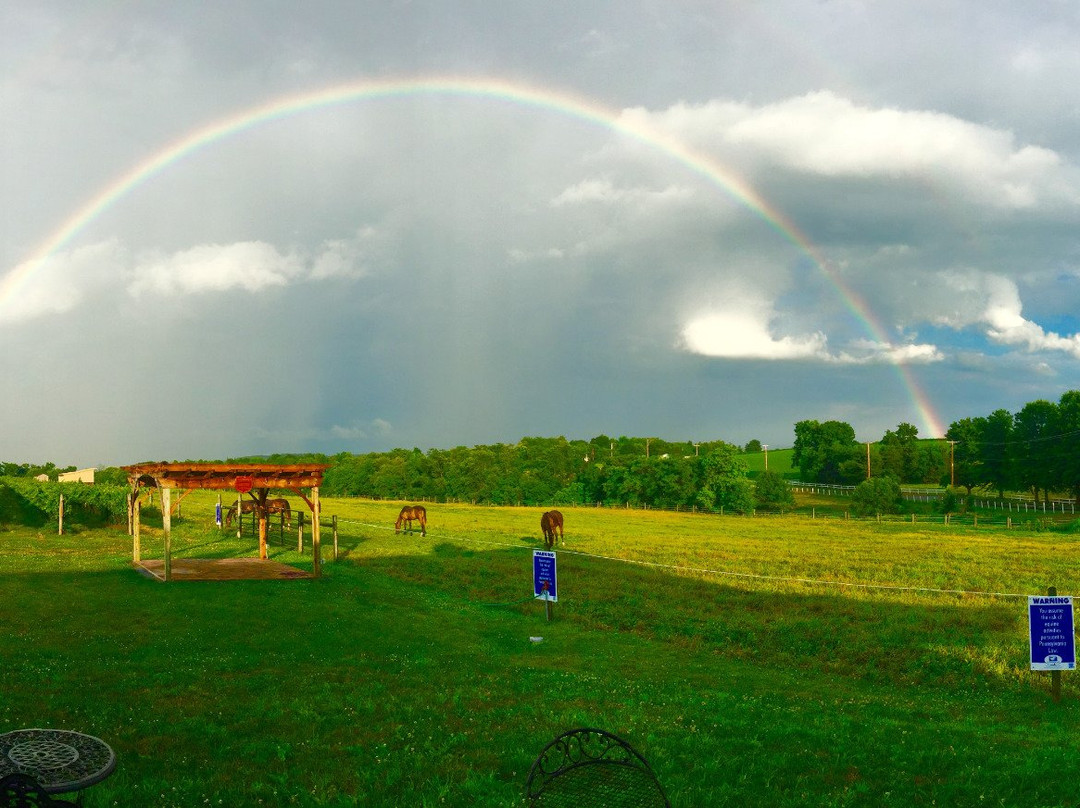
x: 751, y: 660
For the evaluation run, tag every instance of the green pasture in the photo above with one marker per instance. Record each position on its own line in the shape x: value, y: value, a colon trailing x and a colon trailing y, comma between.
x: 779, y: 462
x: 754, y: 661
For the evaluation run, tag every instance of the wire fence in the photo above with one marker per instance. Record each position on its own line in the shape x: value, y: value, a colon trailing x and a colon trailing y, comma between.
x: 711, y: 571
x: 1011, y: 502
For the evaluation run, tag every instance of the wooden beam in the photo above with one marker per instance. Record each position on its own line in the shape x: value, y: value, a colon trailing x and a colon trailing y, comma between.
x: 300, y: 494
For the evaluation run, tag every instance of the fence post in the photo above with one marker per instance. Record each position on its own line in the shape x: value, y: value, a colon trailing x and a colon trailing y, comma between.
x: 1055, y: 676
x: 334, y: 522
x: 136, y: 529
x: 300, y: 533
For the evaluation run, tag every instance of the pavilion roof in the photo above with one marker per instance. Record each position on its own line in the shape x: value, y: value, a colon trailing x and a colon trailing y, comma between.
x: 217, y: 476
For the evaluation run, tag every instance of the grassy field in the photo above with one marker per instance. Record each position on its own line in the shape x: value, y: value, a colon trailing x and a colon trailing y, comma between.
x: 779, y: 461
x: 771, y: 661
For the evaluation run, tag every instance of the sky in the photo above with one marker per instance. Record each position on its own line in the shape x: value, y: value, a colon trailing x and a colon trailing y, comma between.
x: 252, y: 227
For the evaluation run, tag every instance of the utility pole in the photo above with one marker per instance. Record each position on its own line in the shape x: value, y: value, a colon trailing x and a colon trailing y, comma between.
x: 868, y: 460
x: 952, y: 464
x: 766, y: 447
x: 647, y: 442
x: 696, y: 445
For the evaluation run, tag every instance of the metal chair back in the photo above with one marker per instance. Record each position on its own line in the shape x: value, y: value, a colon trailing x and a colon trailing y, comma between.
x: 592, y: 767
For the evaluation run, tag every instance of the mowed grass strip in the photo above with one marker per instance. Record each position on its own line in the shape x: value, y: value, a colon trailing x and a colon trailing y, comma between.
x: 402, y: 678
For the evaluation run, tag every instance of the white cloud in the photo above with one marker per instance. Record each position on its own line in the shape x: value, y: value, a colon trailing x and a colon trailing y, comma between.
x: 746, y: 335
x: 249, y: 265
x: 353, y: 432
x: 867, y: 352
x: 358, y: 431
x: 745, y: 331
x: 992, y: 302
x: 826, y: 134
x: 59, y: 283
x: 346, y: 258
x: 604, y: 191
x: 64, y: 280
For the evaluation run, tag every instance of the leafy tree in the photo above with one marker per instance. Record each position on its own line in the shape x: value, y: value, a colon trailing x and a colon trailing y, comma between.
x: 826, y: 452
x: 997, y: 451
x: 771, y: 491
x: 1067, y: 453
x: 965, y: 453
x: 877, y: 495
x: 1033, y: 427
x: 723, y: 482
x: 753, y: 447
x: 899, y: 452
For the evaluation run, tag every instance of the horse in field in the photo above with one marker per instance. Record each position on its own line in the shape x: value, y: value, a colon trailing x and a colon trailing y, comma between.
x: 272, y: 506
x: 552, y: 523
x: 406, y: 517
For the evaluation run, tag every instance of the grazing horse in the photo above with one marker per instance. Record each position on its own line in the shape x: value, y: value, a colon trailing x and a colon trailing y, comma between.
x: 408, y: 513
x: 272, y: 506
x: 550, y: 523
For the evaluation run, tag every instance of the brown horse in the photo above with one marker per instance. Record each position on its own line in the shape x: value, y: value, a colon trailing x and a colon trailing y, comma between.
x: 408, y: 513
x: 272, y: 506
x: 551, y: 522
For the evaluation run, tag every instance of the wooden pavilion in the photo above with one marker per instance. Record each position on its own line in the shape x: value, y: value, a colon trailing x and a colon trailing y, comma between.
x: 254, y: 479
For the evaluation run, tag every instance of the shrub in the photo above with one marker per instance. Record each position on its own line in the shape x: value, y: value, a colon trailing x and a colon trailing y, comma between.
x: 771, y: 491
x: 877, y: 495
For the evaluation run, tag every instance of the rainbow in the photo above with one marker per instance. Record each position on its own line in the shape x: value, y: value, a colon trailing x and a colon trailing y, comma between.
x: 583, y: 109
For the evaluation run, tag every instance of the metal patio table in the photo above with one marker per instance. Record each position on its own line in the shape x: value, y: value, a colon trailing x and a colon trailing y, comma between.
x: 60, y: 760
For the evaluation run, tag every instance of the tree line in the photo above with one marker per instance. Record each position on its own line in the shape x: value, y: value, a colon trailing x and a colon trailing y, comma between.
x: 1036, y: 449
x: 539, y: 471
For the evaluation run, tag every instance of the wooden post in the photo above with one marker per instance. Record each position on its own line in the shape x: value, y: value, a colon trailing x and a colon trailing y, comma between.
x: 239, y: 517
x: 166, y: 525
x: 1055, y: 676
x: 130, y: 508
x: 316, y: 561
x: 334, y: 518
x: 262, y: 535
x: 136, y: 529
x: 300, y: 531
x: 260, y: 509
x: 60, y: 517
